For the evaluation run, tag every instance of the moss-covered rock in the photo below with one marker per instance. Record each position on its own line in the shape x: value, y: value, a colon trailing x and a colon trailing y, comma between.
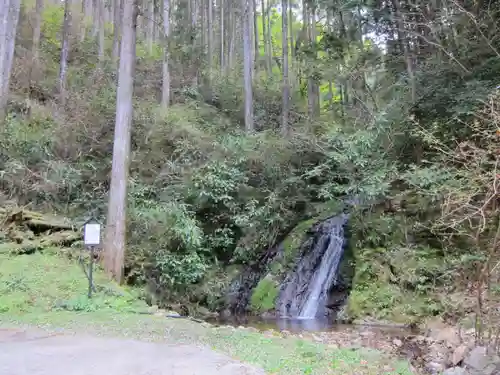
x: 398, y: 274
x: 264, y: 295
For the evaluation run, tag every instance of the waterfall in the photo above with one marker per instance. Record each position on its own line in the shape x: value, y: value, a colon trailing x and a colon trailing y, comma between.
x: 305, y: 293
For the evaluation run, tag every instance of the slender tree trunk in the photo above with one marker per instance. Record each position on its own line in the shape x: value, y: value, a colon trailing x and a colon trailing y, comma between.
x: 96, y: 5
x: 63, y: 67
x: 264, y: 33
x: 9, y: 18
x: 247, y: 66
x: 286, y: 83
x: 117, y: 10
x: 150, y: 26
x: 157, y: 21
x: 315, y: 87
x: 269, y: 36
x: 232, y: 37
x: 88, y: 15
x: 101, y: 10
x: 165, y: 92
x: 117, y: 208
x: 37, y: 30
x: 221, y: 35
x: 290, y: 26
x: 330, y: 82
x: 255, y: 35
x: 210, y: 37
x: 310, y: 80
x: 403, y: 40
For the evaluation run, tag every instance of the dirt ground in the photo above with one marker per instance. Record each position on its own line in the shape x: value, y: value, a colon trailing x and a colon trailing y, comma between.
x: 35, y: 352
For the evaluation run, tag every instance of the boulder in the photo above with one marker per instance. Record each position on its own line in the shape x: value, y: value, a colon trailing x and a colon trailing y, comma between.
x: 455, y: 371
x: 458, y: 355
x: 480, y: 361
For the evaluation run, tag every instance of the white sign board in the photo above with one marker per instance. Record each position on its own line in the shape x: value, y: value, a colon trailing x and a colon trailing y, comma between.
x: 92, y: 234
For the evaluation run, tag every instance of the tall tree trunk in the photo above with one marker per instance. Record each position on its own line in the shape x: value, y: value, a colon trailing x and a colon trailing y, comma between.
x: 150, y: 22
x: 221, y: 34
x: 269, y: 36
x: 310, y: 80
x: 89, y: 12
x: 63, y: 67
x: 264, y: 33
x: 165, y: 91
x: 95, y: 17
x: 9, y: 17
x: 117, y: 11
x: 255, y: 34
x: 210, y: 37
x: 286, y: 83
x: 290, y: 26
x: 115, y: 240
x: 247, y: 66
x: 101, y: 10
x: 37, y: 30
x: 232, y: 37
x: 403, y: 40
x: 315, y: 87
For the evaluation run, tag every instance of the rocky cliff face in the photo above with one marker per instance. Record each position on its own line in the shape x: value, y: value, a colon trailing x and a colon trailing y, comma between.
x: 315, y: 287
x: 309, y: 265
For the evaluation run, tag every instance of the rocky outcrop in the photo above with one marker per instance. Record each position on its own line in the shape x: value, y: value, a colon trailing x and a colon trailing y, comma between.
x: 240, y: 290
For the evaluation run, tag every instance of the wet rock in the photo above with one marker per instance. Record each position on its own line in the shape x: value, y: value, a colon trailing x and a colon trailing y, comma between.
x: 267, y: 315
x: 479, y: 361
x: 397, y: 342
x: 448, y: 335
x: 435, y: 367
x: 321, y: 256
x: 458, y: 355
x: 204, y: 313
x: 455, y: 371
x: 172, y: 314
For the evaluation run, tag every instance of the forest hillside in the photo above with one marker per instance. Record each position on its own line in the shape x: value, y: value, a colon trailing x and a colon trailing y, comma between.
x: 203, y: 132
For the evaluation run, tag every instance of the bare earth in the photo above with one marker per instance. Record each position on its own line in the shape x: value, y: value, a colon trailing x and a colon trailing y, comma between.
x: 35, y: 352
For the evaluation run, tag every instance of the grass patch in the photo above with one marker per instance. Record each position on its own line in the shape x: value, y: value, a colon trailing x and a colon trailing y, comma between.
x: 48, y: 291
x: 48, y: 282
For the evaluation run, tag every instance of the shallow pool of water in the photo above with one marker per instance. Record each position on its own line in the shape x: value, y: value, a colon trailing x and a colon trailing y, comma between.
x: 303, y: 325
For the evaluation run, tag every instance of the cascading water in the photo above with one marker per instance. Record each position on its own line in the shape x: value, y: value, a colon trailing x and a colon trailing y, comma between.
x: 305, y: 293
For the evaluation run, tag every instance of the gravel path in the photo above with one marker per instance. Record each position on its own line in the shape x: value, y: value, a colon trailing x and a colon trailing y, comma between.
x: 36, y: 352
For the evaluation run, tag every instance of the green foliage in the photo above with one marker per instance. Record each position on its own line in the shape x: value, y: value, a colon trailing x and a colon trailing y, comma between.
x: 264, y: 295
x: 52, y: 19
x: 204, y: 196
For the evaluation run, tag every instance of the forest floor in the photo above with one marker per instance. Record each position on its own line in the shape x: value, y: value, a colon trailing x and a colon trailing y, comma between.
x: 47, y: 292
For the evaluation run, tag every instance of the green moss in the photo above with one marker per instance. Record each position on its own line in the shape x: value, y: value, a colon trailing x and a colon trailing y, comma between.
x: 292, y: 242
x: 393, y: 280
x: 264, y: 295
